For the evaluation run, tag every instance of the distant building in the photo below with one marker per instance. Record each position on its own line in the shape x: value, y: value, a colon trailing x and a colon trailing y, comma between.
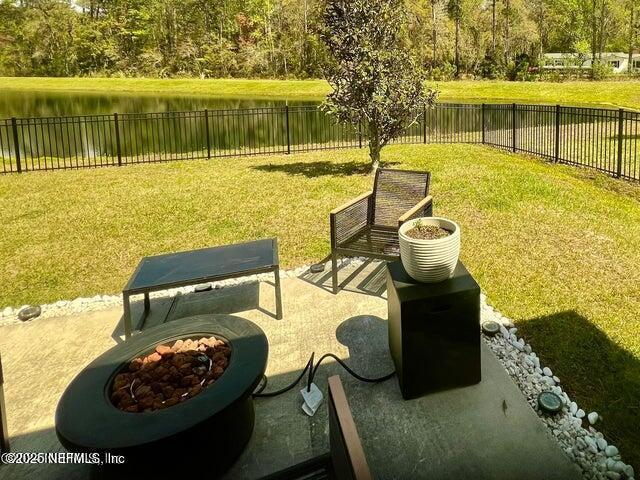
x: 618, y: 61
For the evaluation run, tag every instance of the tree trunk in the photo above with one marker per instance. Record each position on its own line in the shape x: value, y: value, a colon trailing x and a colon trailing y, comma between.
x: 458, y: 46
x: 493, y: 29
x: 507, y: 11
x: 374, y: 155
x: 434, y: 32
x: 594, y: 32
x: 305, y: 35
x: 541, y: 25
x: 374, y: 147
x: 602, y: 28
x: 631, y: 36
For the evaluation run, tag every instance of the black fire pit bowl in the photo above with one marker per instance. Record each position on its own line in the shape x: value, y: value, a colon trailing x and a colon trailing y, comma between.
x: 210, y: 429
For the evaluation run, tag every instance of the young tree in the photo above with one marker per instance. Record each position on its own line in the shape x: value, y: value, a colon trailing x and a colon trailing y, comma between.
x: 376, y: 83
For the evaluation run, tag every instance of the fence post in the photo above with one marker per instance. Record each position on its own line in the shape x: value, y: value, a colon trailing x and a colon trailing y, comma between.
x: 513, y: 127
x: 14, y: 127
x: 118, y: 149
x: 359, y: 133
x: 484, y: 107
x: 620, y: 140
x: 206, y: 127
x: 286, y: 113
x: 424, y: 124
x: 556, y: 150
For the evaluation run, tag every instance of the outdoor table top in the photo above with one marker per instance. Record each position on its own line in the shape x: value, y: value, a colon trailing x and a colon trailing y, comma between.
x: 206, y: 264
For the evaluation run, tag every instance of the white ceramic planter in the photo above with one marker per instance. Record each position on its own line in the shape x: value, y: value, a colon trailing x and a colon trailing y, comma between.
x: 430, y: 261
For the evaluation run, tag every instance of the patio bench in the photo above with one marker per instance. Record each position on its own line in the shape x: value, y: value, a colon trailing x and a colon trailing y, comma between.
x: 345, y: 459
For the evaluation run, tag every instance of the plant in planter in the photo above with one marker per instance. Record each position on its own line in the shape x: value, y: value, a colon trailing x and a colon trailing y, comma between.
x: 429, y: 248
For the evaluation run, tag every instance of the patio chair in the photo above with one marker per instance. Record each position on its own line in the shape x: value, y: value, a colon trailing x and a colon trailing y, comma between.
x: 4, y: 433
x: 345, y: 459
x: 368, y: 225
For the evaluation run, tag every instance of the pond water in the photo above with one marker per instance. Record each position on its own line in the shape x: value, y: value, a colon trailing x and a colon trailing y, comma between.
x: 47, y: 127
x: 53, y: 104
x: 57, y: 130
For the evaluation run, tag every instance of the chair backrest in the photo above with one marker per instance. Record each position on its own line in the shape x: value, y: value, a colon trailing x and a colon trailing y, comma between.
x: 347, y: 455
x: 395, y: 192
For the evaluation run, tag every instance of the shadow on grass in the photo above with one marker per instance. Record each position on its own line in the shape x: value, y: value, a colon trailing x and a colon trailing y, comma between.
x: 319, y: 169
x: 599, y: 374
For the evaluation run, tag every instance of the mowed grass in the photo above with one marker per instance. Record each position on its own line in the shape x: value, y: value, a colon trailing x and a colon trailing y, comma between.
x: 611, y: 93
x: 554, y: 247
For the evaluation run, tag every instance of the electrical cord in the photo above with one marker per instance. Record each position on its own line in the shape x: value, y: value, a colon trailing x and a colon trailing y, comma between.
x: 312, y: 372
x: 258, y: 392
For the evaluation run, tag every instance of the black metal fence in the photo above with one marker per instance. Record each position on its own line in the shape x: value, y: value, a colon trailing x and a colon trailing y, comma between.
x: 604, y: 139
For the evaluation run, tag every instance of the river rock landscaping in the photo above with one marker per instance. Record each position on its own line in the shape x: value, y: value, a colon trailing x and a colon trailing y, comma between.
x: 10, y: 315
x: 572, y: 427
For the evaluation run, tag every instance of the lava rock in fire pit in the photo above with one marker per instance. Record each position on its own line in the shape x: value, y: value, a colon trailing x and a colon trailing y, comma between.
x: 170, y: 374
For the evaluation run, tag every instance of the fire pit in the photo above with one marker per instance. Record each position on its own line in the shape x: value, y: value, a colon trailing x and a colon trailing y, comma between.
x: 121, y: 404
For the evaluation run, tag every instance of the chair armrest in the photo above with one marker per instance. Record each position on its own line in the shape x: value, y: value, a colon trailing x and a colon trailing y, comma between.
x: 350, y: 218
x: 418, y: 210
x: 347, y: 454
x: 350, y: 203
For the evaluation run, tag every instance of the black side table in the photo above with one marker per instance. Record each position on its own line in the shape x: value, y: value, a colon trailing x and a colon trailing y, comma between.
x: 434, y: 331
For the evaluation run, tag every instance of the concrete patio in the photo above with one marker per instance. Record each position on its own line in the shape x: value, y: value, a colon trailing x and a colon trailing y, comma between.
x: 486, y: 431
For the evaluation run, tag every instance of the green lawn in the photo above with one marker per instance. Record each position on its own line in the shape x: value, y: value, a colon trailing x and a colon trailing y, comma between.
x: 618, y: 93
x: 554, y: 247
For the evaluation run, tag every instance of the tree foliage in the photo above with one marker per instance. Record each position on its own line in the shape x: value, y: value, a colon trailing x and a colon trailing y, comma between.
x: 281, y: 38
x: 376, y: 83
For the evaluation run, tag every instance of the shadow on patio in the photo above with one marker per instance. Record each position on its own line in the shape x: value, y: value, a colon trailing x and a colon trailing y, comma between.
x: 368, y: 278
x: 460, y: 433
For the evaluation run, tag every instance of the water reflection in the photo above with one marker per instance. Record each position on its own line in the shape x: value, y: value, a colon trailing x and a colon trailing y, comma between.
x: 52, y: 104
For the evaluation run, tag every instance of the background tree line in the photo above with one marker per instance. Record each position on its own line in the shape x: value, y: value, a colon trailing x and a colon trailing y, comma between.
x: 280, y: 38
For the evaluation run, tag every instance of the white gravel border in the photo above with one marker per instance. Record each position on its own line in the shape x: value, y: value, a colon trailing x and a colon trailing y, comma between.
x: 9, y: 315
x: 572, y: 427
